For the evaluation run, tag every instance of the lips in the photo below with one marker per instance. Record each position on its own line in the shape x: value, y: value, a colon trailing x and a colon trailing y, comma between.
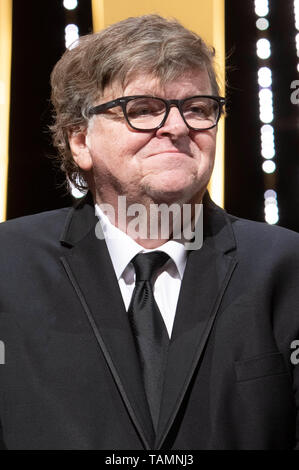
x: 169, y: 151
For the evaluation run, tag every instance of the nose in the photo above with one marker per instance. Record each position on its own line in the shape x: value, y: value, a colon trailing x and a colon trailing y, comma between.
x: 174, y: 126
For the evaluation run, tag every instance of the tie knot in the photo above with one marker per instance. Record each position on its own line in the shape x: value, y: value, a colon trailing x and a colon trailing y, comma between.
x: 146, y: 264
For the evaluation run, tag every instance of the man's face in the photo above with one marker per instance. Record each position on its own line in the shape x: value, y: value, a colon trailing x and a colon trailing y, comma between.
x: 171, y: 164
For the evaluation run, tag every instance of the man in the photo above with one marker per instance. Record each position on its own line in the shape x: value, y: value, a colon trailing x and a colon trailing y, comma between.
x: 102, y: 351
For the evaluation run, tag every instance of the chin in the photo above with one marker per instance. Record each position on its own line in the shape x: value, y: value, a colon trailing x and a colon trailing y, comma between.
x: 170, y: 194
x: 174, y: 187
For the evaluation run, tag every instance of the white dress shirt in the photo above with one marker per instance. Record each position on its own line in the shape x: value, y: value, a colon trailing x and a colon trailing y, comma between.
x: 166, y: 282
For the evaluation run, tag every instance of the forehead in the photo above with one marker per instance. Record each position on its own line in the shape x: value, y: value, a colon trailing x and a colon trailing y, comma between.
x: 190, y: 83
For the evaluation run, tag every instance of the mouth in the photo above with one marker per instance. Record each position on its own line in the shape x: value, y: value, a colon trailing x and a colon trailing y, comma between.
x: 172, y: 152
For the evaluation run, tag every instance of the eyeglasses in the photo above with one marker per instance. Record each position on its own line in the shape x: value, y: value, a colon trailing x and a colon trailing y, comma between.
x: 148, y: 113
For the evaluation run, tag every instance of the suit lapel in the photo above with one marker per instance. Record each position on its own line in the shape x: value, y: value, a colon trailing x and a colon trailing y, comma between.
x: 206, y: 277
x: 89, y: 268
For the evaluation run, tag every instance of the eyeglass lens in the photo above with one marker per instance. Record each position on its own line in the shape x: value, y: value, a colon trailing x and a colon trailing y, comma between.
x: 148, y: 113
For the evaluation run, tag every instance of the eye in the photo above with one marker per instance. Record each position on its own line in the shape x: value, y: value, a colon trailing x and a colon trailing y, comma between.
x: 204, y: 108
x: 140, y: 110
x: 199, y: 109
x: 196, y: 109
x: 144, y: 107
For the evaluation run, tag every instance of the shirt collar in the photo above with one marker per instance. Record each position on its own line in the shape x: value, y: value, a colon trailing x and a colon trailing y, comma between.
x: 123, y: 248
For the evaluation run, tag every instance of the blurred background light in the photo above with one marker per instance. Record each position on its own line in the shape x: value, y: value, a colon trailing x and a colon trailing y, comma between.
x: 71, y: 35
x: 267, y: 141
x: 296, y: 11
x: 269, y: 166
x: 266, y: 105
x: 261, y: 7
x: 271, y: 215
x: 270, y: 193
x: 265, y: 77
x: 70, y: 4
x: 262, y: 24
x: 263, y: 48
x: 76, y: 193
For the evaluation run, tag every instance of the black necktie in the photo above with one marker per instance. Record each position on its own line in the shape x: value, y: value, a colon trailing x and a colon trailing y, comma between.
x: 149, y: 330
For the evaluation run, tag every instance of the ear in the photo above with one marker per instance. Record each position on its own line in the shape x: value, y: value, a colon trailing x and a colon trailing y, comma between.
x: 80, y: 149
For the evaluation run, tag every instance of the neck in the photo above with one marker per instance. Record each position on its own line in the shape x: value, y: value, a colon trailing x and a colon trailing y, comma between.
x: 151, y: 224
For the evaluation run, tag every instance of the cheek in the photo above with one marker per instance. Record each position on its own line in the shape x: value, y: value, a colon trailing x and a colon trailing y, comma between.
x: 118, y: 140
x: 206, y: 144
x: 119, y: 153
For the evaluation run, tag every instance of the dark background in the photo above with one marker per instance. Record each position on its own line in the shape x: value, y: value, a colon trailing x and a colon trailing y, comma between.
x: 245, y: 182
x: 35, y: 185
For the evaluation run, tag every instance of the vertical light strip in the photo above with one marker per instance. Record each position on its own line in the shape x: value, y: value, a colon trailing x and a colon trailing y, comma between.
x: 267, y: 130
x: 98, y: 18
x: 71, y: 36
x: 5, y: 73
x: 296, y: 14
x: 216, y: 186
x: 71, y: 31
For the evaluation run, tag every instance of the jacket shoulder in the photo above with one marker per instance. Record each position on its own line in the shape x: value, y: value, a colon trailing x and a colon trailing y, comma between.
x: 43, y: 226
x: 263, y: 237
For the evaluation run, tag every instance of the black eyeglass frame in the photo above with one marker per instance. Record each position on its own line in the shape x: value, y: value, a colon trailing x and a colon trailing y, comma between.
x: 122, y: 102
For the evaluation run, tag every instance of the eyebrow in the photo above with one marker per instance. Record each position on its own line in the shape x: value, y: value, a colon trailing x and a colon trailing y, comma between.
x: 142, y: 92
x: 153, y: 93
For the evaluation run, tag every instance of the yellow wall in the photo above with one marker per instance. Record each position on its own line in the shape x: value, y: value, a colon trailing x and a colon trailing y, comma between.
x: 5, y: 64
x: 206, y: 17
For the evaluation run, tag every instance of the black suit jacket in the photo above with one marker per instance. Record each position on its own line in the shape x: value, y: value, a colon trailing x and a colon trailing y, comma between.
x: 71, y: 377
